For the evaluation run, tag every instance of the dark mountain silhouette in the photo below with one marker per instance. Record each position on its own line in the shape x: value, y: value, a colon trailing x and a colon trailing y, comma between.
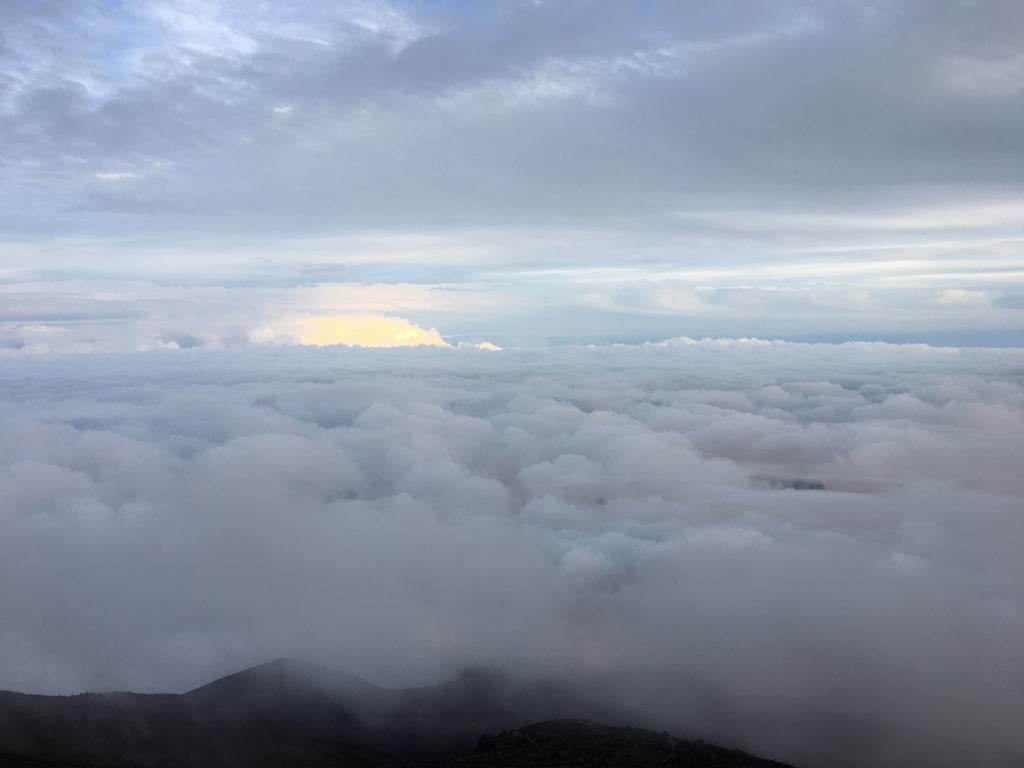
x: 292, y: 713
x: 565, y: 743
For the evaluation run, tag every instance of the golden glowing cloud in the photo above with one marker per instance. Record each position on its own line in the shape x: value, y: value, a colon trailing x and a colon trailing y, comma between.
x: 367, y: 331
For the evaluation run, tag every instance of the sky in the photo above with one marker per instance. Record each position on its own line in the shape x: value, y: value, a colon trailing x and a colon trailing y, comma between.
x: 182, y: 173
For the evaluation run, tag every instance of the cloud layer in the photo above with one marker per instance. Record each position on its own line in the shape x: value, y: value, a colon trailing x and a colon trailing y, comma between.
x: 812, y: 550
x: 378, y: 112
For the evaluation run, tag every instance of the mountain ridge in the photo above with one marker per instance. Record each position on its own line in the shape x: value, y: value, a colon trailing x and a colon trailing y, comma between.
x: 293, y: 712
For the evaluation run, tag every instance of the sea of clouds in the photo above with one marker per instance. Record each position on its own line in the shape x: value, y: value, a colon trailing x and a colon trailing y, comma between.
x: 804, y: 549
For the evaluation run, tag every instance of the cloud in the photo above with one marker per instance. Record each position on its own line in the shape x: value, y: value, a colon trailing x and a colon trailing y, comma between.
x: 357, y: 331
x: 72, y: 316
x: 794, y: 547
x: 406, y: 115
x: 116, y: 175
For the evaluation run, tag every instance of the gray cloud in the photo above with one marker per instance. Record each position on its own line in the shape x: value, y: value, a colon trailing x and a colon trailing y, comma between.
x: 534, y: 112
x: 613, y: 513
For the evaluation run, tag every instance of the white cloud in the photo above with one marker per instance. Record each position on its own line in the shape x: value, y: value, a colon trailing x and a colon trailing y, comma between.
x: 117, y: 175
x: 358, y: 330
x: 629, y: 513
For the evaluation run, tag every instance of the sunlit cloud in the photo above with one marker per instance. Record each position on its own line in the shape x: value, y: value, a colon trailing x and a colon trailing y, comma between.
x: 367, y: 331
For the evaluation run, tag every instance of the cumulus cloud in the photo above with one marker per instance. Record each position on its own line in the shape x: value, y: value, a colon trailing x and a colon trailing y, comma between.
x: 353, y: 330
x: 115, y: 316
x: 811, y: 550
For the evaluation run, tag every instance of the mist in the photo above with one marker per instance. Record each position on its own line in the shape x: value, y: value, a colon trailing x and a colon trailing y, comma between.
x: 811, y: 550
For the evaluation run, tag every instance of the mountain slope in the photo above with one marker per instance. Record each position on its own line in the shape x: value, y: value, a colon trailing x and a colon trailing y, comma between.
x: 293, y: 713
x: 585, y: 744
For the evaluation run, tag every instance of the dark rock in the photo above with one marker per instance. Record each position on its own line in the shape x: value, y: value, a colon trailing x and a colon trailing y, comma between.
x: 580, y: 743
